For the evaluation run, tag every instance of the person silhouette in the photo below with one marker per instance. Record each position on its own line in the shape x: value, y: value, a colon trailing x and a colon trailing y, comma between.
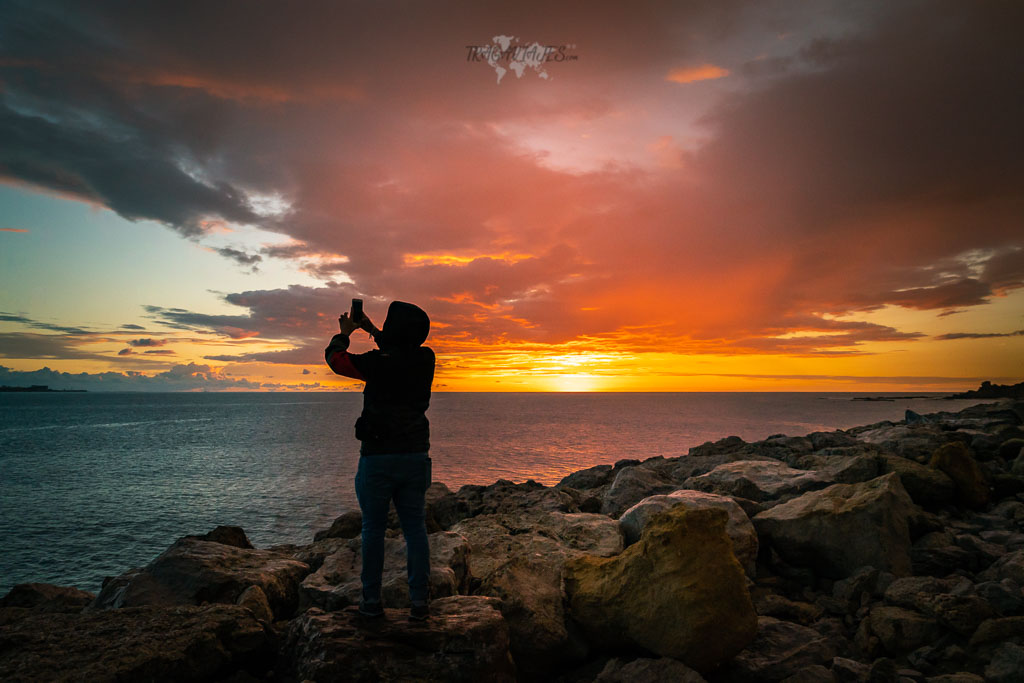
x: 394, y: 459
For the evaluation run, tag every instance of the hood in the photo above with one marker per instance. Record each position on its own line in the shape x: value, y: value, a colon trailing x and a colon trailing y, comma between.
x: 406, y: 325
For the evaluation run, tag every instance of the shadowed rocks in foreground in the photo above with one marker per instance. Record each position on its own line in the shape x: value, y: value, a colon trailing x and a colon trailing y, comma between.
x: 887, y: 552
x: 466, y: 639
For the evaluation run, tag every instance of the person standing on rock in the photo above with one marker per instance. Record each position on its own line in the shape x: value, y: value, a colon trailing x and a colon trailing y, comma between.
x: 394, y: 461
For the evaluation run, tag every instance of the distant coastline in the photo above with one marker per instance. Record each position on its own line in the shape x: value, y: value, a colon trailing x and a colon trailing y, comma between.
x: 986, y: 390
x: 41, y: 389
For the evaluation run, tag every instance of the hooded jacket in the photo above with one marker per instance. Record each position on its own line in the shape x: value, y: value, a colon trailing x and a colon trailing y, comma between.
x: 398, y: 377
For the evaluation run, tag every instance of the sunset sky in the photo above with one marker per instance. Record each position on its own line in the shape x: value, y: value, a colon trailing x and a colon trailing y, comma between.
x: 689, y: 196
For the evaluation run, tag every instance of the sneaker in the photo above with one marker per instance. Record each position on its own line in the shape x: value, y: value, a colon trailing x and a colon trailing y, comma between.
x: 419, y: 611
x: 371, y: 609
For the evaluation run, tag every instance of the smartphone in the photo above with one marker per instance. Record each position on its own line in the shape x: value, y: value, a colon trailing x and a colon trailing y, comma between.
x: 357, y: 310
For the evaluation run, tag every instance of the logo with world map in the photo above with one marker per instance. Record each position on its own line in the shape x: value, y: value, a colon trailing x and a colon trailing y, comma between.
x: 509, y: 53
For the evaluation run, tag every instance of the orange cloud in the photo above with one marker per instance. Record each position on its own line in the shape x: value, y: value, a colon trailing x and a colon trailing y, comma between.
x: 692, y: 74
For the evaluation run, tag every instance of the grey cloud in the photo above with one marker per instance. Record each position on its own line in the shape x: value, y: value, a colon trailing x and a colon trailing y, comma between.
x: 179, y: 378
x: 979, y: 335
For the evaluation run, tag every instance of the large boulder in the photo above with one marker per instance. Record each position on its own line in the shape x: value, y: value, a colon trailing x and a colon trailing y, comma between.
x: 927, y: 486
x: 957, y: 462
x: 336, y: 584
x: 631, y: 485
x: 739, y: 528
x: 45, y: 597
x: 159, y: 644
x: 757, y: 480
x: 678, y: 592
x: 465, y: 639
x: 519, y: 558
x: 844, y: 527
x: 194, y: 571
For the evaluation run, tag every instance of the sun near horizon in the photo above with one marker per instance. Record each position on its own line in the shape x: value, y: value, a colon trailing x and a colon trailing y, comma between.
x: 690, y: 198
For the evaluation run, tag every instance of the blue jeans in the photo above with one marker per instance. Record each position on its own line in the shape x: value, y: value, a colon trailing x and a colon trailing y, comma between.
x: 404, y: 478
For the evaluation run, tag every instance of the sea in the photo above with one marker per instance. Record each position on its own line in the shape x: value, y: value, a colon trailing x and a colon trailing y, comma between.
x: 94, y: 484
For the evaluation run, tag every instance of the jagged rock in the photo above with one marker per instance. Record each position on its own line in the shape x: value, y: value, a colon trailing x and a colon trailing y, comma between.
x: 901, y: 630
x: 831, y: 440
x: 465, y: 639
x: 729, y: 444
x: 849, y: 670
x: 915, y: 441
x: 926, y: 486
x: 694, y: 466
x: 336, y: 584
x: 959, y: 465
x: 314, y: 553
x: 630, y: 486
x: 843, y: 527
x: 193, y: 571
x: 519, y: 558
x: 255, y: 600
x: 1007, y: 665
x: 45, y: 597
x: 739, y: 527
x: 1009, y: 566
x: 645, y: 670
x: 590, y: 478
x: 847, y: 469
x: 678, y: 592
x: 780, y: 649
x: 347, y: 525
x: 1005, y: 596
x: 917, y: 592
x: 159, y: 644
x: 851, y: 590
x: 757, y: 480
x: 955, y: 607
x: 500, y: 497
x: 233, y: 536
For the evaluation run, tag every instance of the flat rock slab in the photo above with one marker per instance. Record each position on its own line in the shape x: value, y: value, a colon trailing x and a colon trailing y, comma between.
x: 136, y: 644
x: 465, y: 639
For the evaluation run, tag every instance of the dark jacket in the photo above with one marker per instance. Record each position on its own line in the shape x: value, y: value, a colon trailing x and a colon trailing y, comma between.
x: 398, y: 377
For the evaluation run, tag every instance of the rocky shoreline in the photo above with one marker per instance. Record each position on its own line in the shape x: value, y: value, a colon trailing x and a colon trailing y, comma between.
x: 888, y: 552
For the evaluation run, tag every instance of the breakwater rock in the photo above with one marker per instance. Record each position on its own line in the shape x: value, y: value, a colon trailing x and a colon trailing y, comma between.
x: 887, y: 552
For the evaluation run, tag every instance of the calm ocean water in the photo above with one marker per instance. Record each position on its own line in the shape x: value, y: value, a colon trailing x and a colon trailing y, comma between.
x: 94, y: 484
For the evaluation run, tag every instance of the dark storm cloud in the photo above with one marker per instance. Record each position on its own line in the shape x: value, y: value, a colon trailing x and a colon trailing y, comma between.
x: 878, y: 165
